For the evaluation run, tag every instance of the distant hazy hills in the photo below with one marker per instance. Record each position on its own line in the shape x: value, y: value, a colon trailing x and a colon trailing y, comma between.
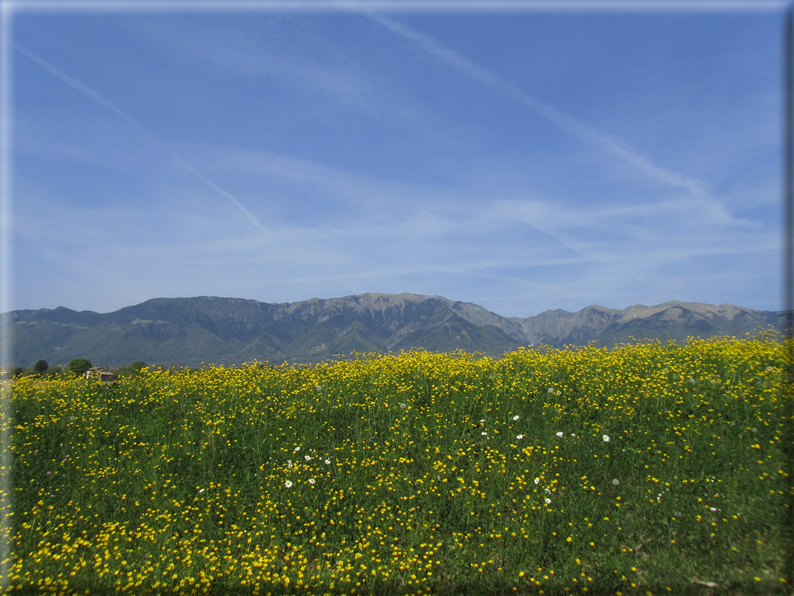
x: 189, y: 331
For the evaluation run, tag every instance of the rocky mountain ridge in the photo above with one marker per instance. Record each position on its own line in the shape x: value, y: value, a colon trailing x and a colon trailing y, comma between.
x: 191, y: 331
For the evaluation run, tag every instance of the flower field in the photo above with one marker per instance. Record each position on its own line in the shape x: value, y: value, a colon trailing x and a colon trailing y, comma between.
x: 648, y: 468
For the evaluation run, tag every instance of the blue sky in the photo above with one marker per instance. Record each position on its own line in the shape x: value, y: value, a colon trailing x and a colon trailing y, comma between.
x: 521, y: 161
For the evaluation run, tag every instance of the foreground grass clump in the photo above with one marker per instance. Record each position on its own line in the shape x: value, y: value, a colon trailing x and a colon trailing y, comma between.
x: 647, y: 468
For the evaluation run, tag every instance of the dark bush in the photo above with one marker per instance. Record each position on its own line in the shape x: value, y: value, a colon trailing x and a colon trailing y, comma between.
x: 79, y: 366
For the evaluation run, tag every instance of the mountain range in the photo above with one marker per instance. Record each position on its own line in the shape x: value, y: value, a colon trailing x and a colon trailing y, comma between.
x: 226, y: 331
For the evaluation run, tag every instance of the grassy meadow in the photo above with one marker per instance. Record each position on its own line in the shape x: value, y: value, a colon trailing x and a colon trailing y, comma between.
x: 645, y: 469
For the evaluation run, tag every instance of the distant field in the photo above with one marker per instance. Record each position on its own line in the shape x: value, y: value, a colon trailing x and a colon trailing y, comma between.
x: 645, y: 469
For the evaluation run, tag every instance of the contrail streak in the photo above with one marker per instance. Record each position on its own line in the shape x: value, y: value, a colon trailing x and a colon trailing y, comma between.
x: 571, y: 125
x: 109, y: 105
x: 203, y: 178
x: 82, y: 88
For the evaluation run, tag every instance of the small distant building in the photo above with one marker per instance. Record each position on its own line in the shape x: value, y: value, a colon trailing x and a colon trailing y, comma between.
x: 103, y: 374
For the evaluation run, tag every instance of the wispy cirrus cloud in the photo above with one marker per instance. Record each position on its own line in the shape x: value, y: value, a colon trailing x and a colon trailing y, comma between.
x: 366, y: 162
x: 446, y: 213
x: 259, y: 53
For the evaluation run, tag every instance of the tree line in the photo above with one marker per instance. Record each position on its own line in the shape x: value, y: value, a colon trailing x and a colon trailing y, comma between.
x: 76, y: 367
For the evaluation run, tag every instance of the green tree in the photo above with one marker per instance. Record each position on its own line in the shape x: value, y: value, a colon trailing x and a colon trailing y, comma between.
x: 41, y: 367
x: 79, y: 366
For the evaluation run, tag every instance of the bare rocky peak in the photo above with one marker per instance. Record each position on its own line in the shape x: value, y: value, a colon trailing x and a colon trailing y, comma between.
x: 403, y: 313
x: 676, y: 311
x: 366, y: 300
x: 359, y: 303
x: 477, y: 315
x: 557, y: 327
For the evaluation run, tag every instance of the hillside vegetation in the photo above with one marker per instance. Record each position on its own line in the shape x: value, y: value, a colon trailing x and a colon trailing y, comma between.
x: 649, y: 468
